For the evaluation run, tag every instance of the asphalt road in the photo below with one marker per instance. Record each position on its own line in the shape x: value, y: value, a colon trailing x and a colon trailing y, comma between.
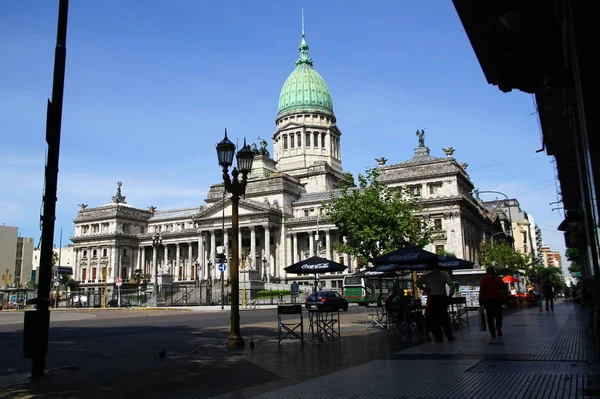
x: 114, y: 353
x: 80, y: 336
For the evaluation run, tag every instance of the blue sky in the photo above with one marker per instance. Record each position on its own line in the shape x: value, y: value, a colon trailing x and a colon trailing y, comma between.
x: 150, y: 85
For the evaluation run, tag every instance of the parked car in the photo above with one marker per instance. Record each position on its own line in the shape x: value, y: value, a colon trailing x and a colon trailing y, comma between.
x: 326, y: 300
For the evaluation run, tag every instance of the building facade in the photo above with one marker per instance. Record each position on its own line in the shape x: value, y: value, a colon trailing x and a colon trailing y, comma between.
x: 281, y: 218
x: 16, y: 255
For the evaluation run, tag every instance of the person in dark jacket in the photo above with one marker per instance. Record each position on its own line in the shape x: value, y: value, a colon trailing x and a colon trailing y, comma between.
x: 548, y: 291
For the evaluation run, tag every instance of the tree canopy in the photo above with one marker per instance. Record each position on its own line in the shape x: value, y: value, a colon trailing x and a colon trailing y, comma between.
x: 375, y: 219
x: 502, y: 254
x: 574, y: 257
x: 541, y: 274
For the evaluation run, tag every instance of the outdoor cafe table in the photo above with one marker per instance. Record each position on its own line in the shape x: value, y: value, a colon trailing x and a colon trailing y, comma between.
x: 324, y: 324
x: 407, y: 322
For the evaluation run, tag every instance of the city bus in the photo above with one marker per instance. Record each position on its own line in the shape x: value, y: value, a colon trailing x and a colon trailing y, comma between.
x: 360, y: 289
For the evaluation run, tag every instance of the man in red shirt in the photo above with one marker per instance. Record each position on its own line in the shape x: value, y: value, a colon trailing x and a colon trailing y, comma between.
x: 492, y: 292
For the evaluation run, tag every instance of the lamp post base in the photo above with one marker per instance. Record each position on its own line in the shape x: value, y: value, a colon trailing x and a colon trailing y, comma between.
x: 235, y: 342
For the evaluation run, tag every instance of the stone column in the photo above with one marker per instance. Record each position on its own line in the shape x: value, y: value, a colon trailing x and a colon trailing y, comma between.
x: 138, y: 258
x: 311, y: 243
x: 268, y: 252
x: 328, y: 244
x: 295, y: 256
x: 154, y: 260
x: 143, y: 260
x: 166, y: 255
x: 187, y: 264
x: 289, y: 259
x: 177, y: 261
x: 213, y: 251
x: 114, y: 264
x: 201, y: 258
x: 77, y: 267
x: 253, y: 248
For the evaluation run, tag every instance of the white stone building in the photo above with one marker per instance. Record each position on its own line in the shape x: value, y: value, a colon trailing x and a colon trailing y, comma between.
x: 281, y: 217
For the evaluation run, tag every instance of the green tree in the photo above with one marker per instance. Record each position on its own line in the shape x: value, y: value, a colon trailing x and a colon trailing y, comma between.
x: 540, y: 274
x: 376, y: 219
x: 65, y: 281
x: 574, y: 257
x: 139, y: 276
x: 502, y: 254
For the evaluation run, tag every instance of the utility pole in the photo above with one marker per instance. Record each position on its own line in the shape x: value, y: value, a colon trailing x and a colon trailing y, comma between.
x: 41, y: 320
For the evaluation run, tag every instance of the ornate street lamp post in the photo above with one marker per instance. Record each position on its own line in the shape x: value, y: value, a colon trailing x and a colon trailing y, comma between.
x: 210, y: 281
x: 156, y: 243
x: 237, y: 188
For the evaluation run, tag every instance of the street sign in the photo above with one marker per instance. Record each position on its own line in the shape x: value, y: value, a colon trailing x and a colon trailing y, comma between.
x: 118, y: 281
x: 63, y: 270
x: 222, y: 267
x: 295, y: 289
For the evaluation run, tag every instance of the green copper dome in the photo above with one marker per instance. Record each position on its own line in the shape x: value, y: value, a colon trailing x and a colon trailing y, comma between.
x: 304, y: 90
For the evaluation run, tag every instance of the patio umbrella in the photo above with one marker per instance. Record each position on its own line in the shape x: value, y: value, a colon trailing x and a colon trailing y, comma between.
x: 450, y: 263
x: 315, y: 265
x: 372, y: 272
x: 510, y: 280
x: 411, y: 255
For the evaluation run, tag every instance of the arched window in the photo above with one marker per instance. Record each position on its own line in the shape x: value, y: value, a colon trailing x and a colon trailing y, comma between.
x: 299, y: 136
x: 292, y: 142
x: 308, y: 139
x: 323, y: 140
x: 285, y: 142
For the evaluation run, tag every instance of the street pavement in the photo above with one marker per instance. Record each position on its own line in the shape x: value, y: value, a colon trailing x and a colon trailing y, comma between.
x: 114, y: 354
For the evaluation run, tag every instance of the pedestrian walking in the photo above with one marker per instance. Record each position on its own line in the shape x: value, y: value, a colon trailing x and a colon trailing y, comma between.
x: 434, y: 284
x: 492, y: 292
x: 548, y: 291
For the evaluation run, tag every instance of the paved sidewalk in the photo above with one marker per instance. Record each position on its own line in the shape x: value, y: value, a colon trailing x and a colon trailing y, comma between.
x: 540, y: 356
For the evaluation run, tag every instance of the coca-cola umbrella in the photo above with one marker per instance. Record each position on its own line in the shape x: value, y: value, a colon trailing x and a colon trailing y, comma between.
x: 451, y: 263
x: 374, y: 273
x: 405, y: 256
x: 315, y: 265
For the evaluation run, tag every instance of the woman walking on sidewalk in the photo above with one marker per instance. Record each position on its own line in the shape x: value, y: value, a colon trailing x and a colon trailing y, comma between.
x: 492, y: 292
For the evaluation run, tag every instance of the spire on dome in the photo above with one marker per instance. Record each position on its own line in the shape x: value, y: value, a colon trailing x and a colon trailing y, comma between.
x: 304, y: 58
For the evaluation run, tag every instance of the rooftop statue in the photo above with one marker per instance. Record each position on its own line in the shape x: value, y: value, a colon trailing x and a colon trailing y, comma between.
x: 448, y: 151
x: 82, y: 206
x: 381, y: 161
x: 263, y: 148
x: 421, y: 136
x: 118, y: 197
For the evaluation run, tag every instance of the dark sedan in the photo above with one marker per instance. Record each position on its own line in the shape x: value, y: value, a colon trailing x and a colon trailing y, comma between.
x: 326, y: 300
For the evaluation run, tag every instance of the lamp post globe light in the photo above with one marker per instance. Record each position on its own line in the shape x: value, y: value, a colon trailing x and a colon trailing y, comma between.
x: 156, y: 242
x: 237, y: 188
